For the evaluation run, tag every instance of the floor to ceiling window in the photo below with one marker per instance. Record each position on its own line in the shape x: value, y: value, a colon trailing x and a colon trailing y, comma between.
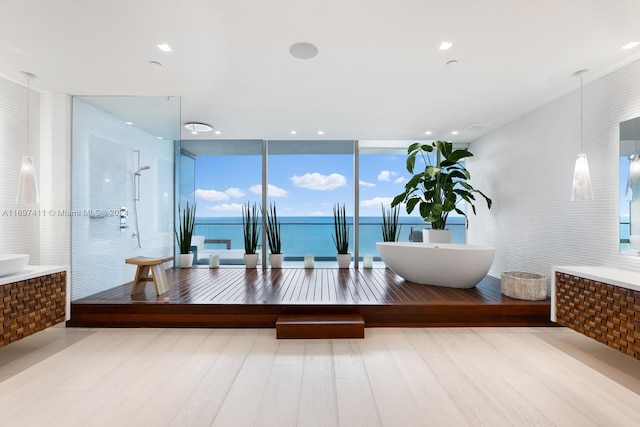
x: 304, y: 180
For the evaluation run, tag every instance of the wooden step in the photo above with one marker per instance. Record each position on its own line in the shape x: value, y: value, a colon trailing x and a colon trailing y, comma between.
x: 319, y: 326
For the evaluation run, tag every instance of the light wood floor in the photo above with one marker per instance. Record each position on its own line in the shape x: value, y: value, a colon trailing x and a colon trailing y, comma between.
x: 245, y: 377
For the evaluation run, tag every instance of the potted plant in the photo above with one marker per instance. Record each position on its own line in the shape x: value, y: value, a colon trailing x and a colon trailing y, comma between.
x: 251, y: 234
x: 341, y: 235
x: 437, y: 189
x: 272, y: 229
x: 390, y: 229
x: 187, y: 223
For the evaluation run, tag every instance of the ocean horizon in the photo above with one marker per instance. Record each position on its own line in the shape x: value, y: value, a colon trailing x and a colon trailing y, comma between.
x: 303, y: 235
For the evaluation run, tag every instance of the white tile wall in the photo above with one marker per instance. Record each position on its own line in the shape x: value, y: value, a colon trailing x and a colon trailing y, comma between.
x: 527, y: 168
x: 18, y: 233
x: 104, y: 161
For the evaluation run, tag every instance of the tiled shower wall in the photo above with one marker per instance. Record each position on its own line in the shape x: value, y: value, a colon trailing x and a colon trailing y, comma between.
x: 527, y: 168
x: 104, y: 161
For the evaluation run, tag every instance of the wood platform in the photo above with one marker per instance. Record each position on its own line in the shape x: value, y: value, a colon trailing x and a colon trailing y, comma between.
x: 237, y: 297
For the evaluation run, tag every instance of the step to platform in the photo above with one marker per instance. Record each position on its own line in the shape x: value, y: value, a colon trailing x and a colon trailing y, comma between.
x: 312, y: 326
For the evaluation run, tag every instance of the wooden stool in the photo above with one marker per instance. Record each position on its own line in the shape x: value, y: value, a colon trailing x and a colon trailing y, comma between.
x: 158, y: 275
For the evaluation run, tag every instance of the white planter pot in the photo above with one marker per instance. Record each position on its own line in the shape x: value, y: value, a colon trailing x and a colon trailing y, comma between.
x: 185, y: 260
x: 250, y: 260
x: 344, y: 260
x: 430, y: 235
x: 276, y: 260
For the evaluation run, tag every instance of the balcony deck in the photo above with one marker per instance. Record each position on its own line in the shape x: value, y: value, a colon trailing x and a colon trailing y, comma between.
x: 237, y: 297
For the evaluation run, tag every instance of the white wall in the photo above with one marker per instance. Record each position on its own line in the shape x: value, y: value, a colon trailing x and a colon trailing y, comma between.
x: 42, y: 233
x: 527, y: 168
x: 104, y: 162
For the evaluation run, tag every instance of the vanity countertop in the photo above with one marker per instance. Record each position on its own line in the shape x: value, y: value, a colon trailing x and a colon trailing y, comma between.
x: 31, y: 271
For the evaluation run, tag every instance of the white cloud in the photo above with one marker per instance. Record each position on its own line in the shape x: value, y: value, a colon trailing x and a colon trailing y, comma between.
x: 366, y: 184
x: 211, y: 195
x: 227, y: 207
x: 277, y: 191
x: 216, y: 196
x: 273, y: 190
x: 400, y: 180
x: 377, y: 201
x: 234, y: 192
x: 317, y: 181
x: 386, y: 175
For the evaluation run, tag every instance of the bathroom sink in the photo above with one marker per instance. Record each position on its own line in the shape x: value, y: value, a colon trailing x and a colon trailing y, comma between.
x: 12, y: 263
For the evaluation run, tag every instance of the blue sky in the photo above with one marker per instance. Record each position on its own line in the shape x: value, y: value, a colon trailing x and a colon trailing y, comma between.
x: 300, y: 185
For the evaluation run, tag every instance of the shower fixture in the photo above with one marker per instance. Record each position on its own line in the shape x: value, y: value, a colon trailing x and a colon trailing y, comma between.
x: 136, y: 195
x: 140, y: 169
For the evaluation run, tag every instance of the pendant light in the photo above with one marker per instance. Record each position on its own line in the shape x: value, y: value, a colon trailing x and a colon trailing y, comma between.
x: 28, y: 182
x: 581, y: 189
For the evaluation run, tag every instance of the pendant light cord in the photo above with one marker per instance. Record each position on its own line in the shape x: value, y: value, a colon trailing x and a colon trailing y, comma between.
x: 28, y: 113
x: 581, y: 150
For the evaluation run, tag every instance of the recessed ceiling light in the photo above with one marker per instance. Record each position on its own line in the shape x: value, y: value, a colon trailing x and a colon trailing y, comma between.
x: 293, y: 132
x: 455, y: 132
x: 129, y: 123
x: 630, y: 45
x: 159, y: 137
x: 428, y: 132
x: 198, y: 127
x: 164, y: 47
x: 303, y: 50
x: 445, y: 45
x: 217, y: 132
x: 320, y: 132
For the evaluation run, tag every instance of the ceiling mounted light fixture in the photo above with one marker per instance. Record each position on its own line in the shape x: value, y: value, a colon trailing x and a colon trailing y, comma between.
x: 196, y: 127
x: 28, y: 182
x: 445, y: 45
x: 581, y: 189
x: 303, y: 50
x: 164, y: 47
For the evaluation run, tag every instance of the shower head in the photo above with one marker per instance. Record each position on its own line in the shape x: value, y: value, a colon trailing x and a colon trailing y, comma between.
x: 142, y: 168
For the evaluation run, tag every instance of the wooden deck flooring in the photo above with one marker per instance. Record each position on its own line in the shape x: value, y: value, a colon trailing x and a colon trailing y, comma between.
x: 237, y: 297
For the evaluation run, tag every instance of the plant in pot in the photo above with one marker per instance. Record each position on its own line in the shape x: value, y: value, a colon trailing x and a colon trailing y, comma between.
x: 272, y: 229
x: 184, y: 232
x: 251, y: 234
x: 437, y: 189
x: 390, y: 228
x: 341, y: 235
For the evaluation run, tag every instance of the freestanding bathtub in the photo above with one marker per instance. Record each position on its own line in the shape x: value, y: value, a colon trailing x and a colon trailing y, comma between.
x: 440, y: 264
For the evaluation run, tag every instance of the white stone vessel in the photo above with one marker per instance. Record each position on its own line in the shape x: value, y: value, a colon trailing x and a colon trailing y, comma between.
x: 12, y: 263
x: 439, y: 264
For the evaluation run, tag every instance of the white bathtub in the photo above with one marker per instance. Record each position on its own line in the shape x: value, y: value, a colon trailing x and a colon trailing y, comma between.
x: 439, y: 264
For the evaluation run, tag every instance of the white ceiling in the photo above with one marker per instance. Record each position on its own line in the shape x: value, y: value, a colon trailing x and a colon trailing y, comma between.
x: 378, y: 74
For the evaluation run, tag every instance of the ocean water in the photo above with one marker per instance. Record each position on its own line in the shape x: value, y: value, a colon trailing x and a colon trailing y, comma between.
x: 312, y: 235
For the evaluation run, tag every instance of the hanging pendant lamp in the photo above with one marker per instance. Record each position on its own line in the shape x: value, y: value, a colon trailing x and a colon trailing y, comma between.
x: 28, y: 182
x: 581, y: 189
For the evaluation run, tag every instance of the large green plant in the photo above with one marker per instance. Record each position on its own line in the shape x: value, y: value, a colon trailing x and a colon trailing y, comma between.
x: 250, y: 227
x: 340, y: 229
x: 272, y: 228
x: 390, y: 228
x: 437, y: 189
x: 187, y: 223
